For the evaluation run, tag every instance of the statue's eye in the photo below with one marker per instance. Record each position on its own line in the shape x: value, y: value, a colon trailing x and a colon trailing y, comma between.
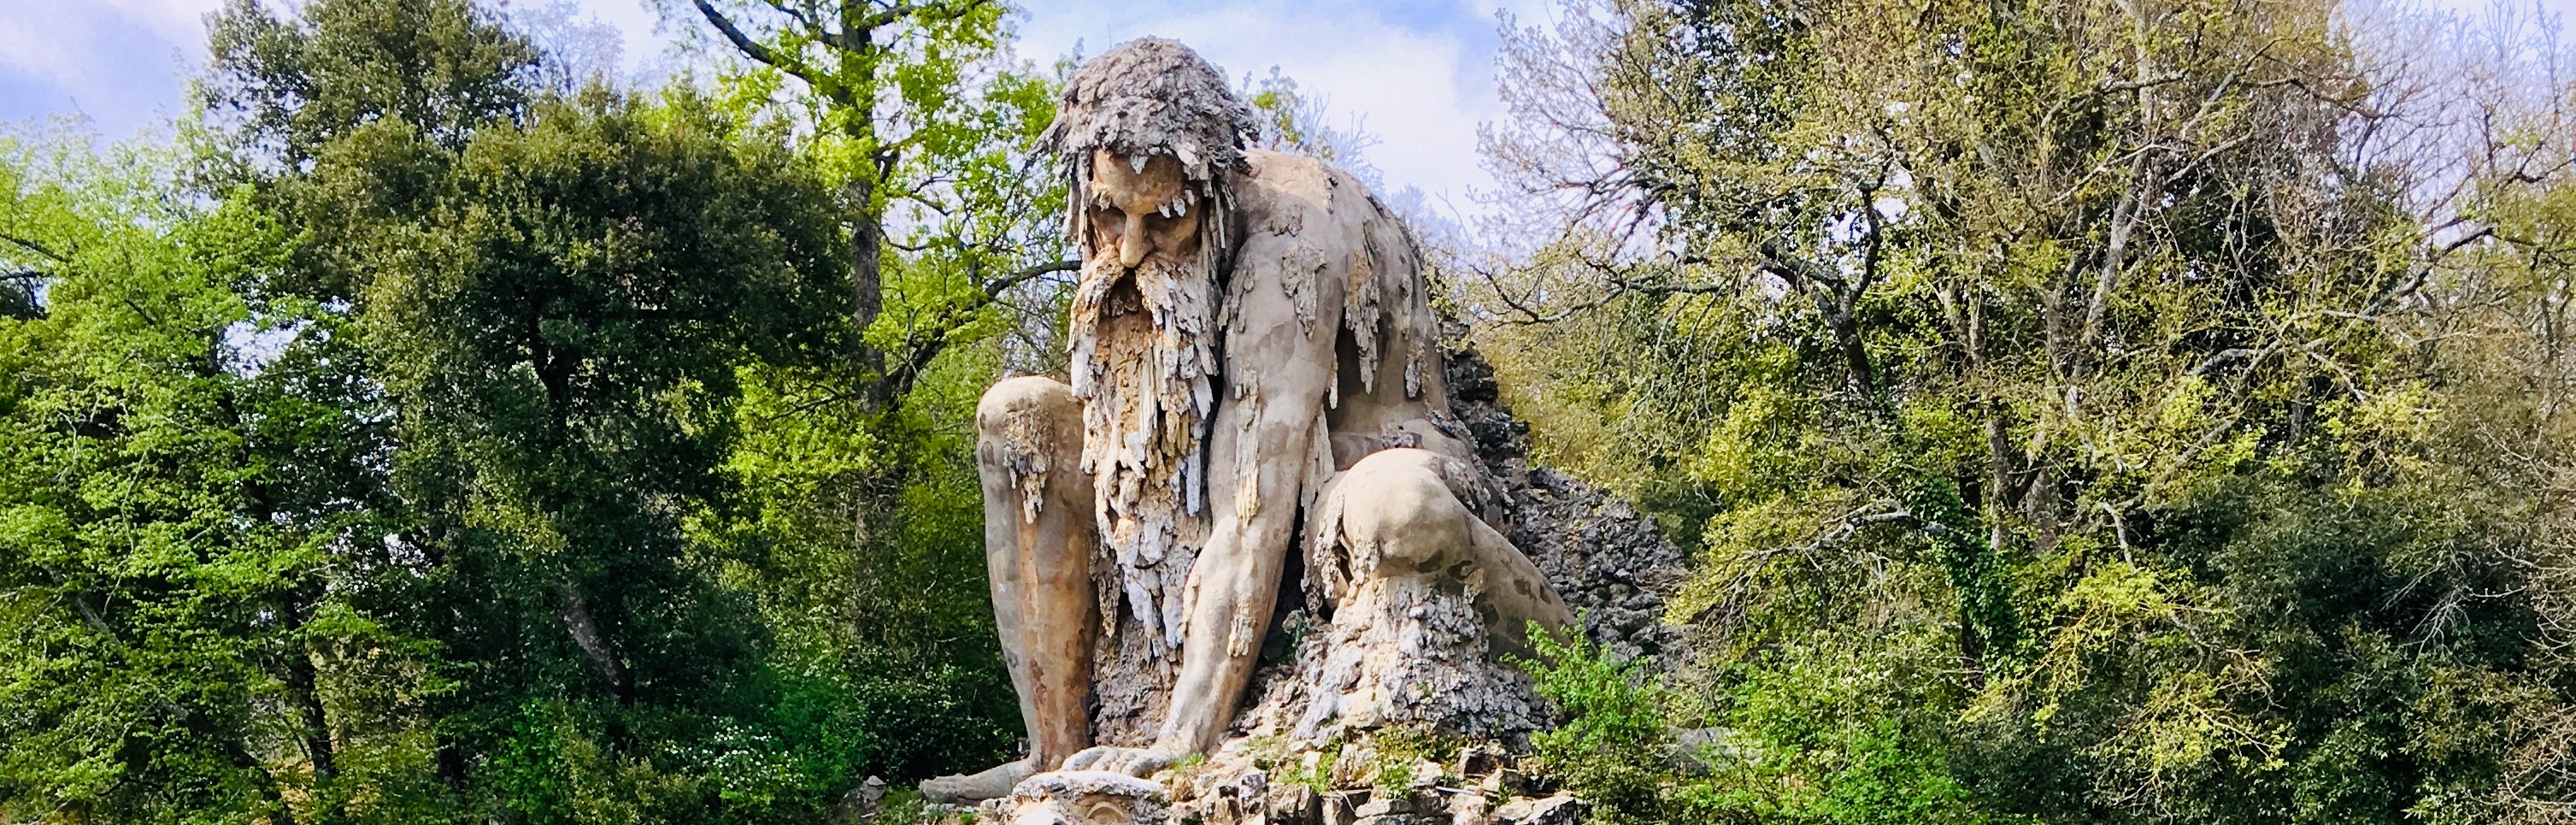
x: 1107, y: 224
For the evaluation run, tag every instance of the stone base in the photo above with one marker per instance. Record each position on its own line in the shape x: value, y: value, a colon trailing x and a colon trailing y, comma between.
x: 1082, y: 798
x: 1223, y: 795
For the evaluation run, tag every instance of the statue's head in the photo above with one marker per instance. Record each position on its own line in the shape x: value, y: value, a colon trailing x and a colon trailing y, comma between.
x: 1149, y: 135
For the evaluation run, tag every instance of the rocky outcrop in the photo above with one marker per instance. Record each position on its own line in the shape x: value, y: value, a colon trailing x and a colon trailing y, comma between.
x: 1611, y: 563
x: 1481, y: 787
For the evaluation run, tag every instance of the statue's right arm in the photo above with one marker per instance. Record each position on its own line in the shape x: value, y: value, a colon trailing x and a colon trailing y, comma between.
x: 1269, y: 425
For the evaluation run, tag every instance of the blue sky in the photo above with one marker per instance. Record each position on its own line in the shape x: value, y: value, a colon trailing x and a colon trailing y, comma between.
x: 1416, y: 74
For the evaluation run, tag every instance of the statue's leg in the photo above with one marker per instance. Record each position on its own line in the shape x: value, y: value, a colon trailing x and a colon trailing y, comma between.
x: 1399, y: 503
x: 1038, y: 541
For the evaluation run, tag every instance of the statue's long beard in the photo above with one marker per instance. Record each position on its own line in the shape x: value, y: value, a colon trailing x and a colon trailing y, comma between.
x: 1143, y: 359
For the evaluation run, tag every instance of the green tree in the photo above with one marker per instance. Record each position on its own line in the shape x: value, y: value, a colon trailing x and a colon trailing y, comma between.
x: 2064, y: 355
x: 189, y: 493
x: 581, y: 310
x: 1611, y: 740
x: 562, y: 337
x: 861, y: 470
x: 296, y: 103
x: 921, y: 120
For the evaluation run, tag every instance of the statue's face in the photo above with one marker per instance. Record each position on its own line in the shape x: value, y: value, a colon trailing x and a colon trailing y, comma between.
x: 1141, y: 215
x: 1144, y: 356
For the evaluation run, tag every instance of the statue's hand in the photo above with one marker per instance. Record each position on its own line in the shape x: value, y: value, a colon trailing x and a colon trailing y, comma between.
x: 1136, y: 762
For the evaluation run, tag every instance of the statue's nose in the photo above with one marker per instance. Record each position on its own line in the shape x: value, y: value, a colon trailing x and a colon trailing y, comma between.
x: 1131, y: 243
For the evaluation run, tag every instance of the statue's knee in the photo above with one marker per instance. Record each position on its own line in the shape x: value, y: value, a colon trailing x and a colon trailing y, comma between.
x: 1397, y: 504
x: 1018, y: 403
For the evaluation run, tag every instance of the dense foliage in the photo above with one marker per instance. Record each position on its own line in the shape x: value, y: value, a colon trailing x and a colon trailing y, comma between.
x: 428, y: 432
x: 2085, y: 411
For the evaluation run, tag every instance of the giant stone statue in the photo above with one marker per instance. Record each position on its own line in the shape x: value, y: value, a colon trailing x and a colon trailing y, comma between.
x: 1255, y: 402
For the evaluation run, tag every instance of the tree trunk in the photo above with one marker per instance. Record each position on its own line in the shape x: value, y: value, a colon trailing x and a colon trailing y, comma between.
x: 1838, y: 313
x: 300, y: 686
x: 575, y: 612
x: 867, y: 254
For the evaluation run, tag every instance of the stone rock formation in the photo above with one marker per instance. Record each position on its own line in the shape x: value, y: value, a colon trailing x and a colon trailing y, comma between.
x: 1085, y: 798
x: 1612, y: 564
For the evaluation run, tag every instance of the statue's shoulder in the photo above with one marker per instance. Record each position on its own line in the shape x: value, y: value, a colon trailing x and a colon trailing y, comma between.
x: 1279, y: 174
x: 1294, y: 191
x: 1316, y: 219
x: 1337, y: 254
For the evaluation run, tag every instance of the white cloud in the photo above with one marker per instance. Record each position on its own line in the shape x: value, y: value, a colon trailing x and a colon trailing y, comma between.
x: 70, y: 39
x: 118, y: 61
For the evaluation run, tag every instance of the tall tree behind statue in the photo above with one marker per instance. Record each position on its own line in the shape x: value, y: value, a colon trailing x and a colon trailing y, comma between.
x: 177, y: 510
x: 919, y: 119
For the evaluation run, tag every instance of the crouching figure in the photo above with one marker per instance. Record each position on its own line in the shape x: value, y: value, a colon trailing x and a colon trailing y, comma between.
x: 1255, y: 372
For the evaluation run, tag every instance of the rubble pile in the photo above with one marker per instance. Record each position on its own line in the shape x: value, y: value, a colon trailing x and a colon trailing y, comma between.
x: 1610, y: 562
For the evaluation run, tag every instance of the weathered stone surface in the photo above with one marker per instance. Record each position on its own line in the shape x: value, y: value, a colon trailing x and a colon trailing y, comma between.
x: 1468, y: 808
x: 1085, y: 798
x: 1293, y: 805
x: 1382, y: 807
x: 1342, y: 807
x: 1613, y: 565
x: 1590, y: 545
x: 1561, y: 809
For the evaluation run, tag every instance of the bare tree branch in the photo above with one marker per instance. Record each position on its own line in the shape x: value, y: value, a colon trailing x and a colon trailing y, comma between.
x: 749, y: 47
x: 899, y: 11
x: 995, y: 287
